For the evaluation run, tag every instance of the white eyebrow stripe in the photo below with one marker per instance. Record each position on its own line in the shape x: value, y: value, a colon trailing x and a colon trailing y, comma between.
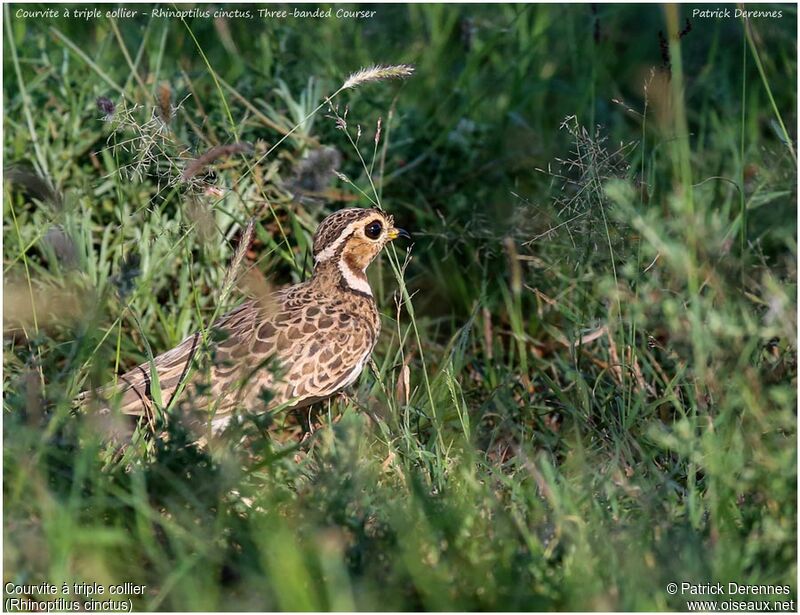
x: 330, y: 251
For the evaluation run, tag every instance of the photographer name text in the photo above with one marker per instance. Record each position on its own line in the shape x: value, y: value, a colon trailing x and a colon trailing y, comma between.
x: 735, y: 13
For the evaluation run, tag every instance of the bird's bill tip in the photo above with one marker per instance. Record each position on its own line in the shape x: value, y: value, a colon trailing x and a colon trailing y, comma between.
x: 395, y: 232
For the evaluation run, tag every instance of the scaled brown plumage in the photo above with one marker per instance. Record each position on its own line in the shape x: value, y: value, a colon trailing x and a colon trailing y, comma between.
x: 299, y: 345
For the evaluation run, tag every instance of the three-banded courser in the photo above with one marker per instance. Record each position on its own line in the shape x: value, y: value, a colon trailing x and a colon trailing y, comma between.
x: 295, y: 347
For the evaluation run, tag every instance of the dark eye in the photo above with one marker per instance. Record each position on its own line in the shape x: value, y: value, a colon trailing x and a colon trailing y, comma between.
x: 373, y: 230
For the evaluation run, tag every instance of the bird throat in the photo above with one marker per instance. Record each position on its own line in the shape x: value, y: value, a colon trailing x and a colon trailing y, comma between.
x: 353, y: 277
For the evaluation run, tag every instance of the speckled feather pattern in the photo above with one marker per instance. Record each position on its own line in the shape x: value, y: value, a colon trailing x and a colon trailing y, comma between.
x: 298, y: 346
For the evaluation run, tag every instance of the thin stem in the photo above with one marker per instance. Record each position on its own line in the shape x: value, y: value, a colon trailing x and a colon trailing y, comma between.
x: 80, y: 53
x: 234, y: 127
x: 26, y: 101
x: 742, y: 204
x: 786, y: 138
x: 126, y: 55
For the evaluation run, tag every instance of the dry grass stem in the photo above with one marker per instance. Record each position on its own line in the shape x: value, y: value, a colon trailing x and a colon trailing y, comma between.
x: 211, y: 155
x: 238, y: 257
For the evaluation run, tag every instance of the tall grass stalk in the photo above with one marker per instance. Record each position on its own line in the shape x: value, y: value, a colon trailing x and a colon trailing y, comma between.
x: 787, y: 140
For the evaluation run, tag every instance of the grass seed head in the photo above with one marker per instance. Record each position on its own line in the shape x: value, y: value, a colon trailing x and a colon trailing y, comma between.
x: 378, y: 73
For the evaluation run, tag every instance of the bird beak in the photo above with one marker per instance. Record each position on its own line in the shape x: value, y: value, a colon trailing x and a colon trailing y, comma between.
x: 395, y: 232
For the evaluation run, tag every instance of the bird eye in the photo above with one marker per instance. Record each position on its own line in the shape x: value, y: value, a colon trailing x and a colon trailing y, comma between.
x: 373, y: 230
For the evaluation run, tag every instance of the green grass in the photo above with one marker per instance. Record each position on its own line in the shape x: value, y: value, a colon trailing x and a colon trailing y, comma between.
x: 597, y: 321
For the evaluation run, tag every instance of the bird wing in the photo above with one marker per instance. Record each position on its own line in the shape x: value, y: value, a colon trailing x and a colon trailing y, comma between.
x: 305, y: 352
x: 197, y: 360
x: 328, y: 359
x: 299, y: 348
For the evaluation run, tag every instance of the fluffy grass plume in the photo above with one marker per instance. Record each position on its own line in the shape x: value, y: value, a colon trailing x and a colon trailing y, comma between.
x: 378, y: 73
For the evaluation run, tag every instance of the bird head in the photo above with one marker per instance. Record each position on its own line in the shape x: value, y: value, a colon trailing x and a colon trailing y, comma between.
x: 350, y: 239
x: 355, y: 236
